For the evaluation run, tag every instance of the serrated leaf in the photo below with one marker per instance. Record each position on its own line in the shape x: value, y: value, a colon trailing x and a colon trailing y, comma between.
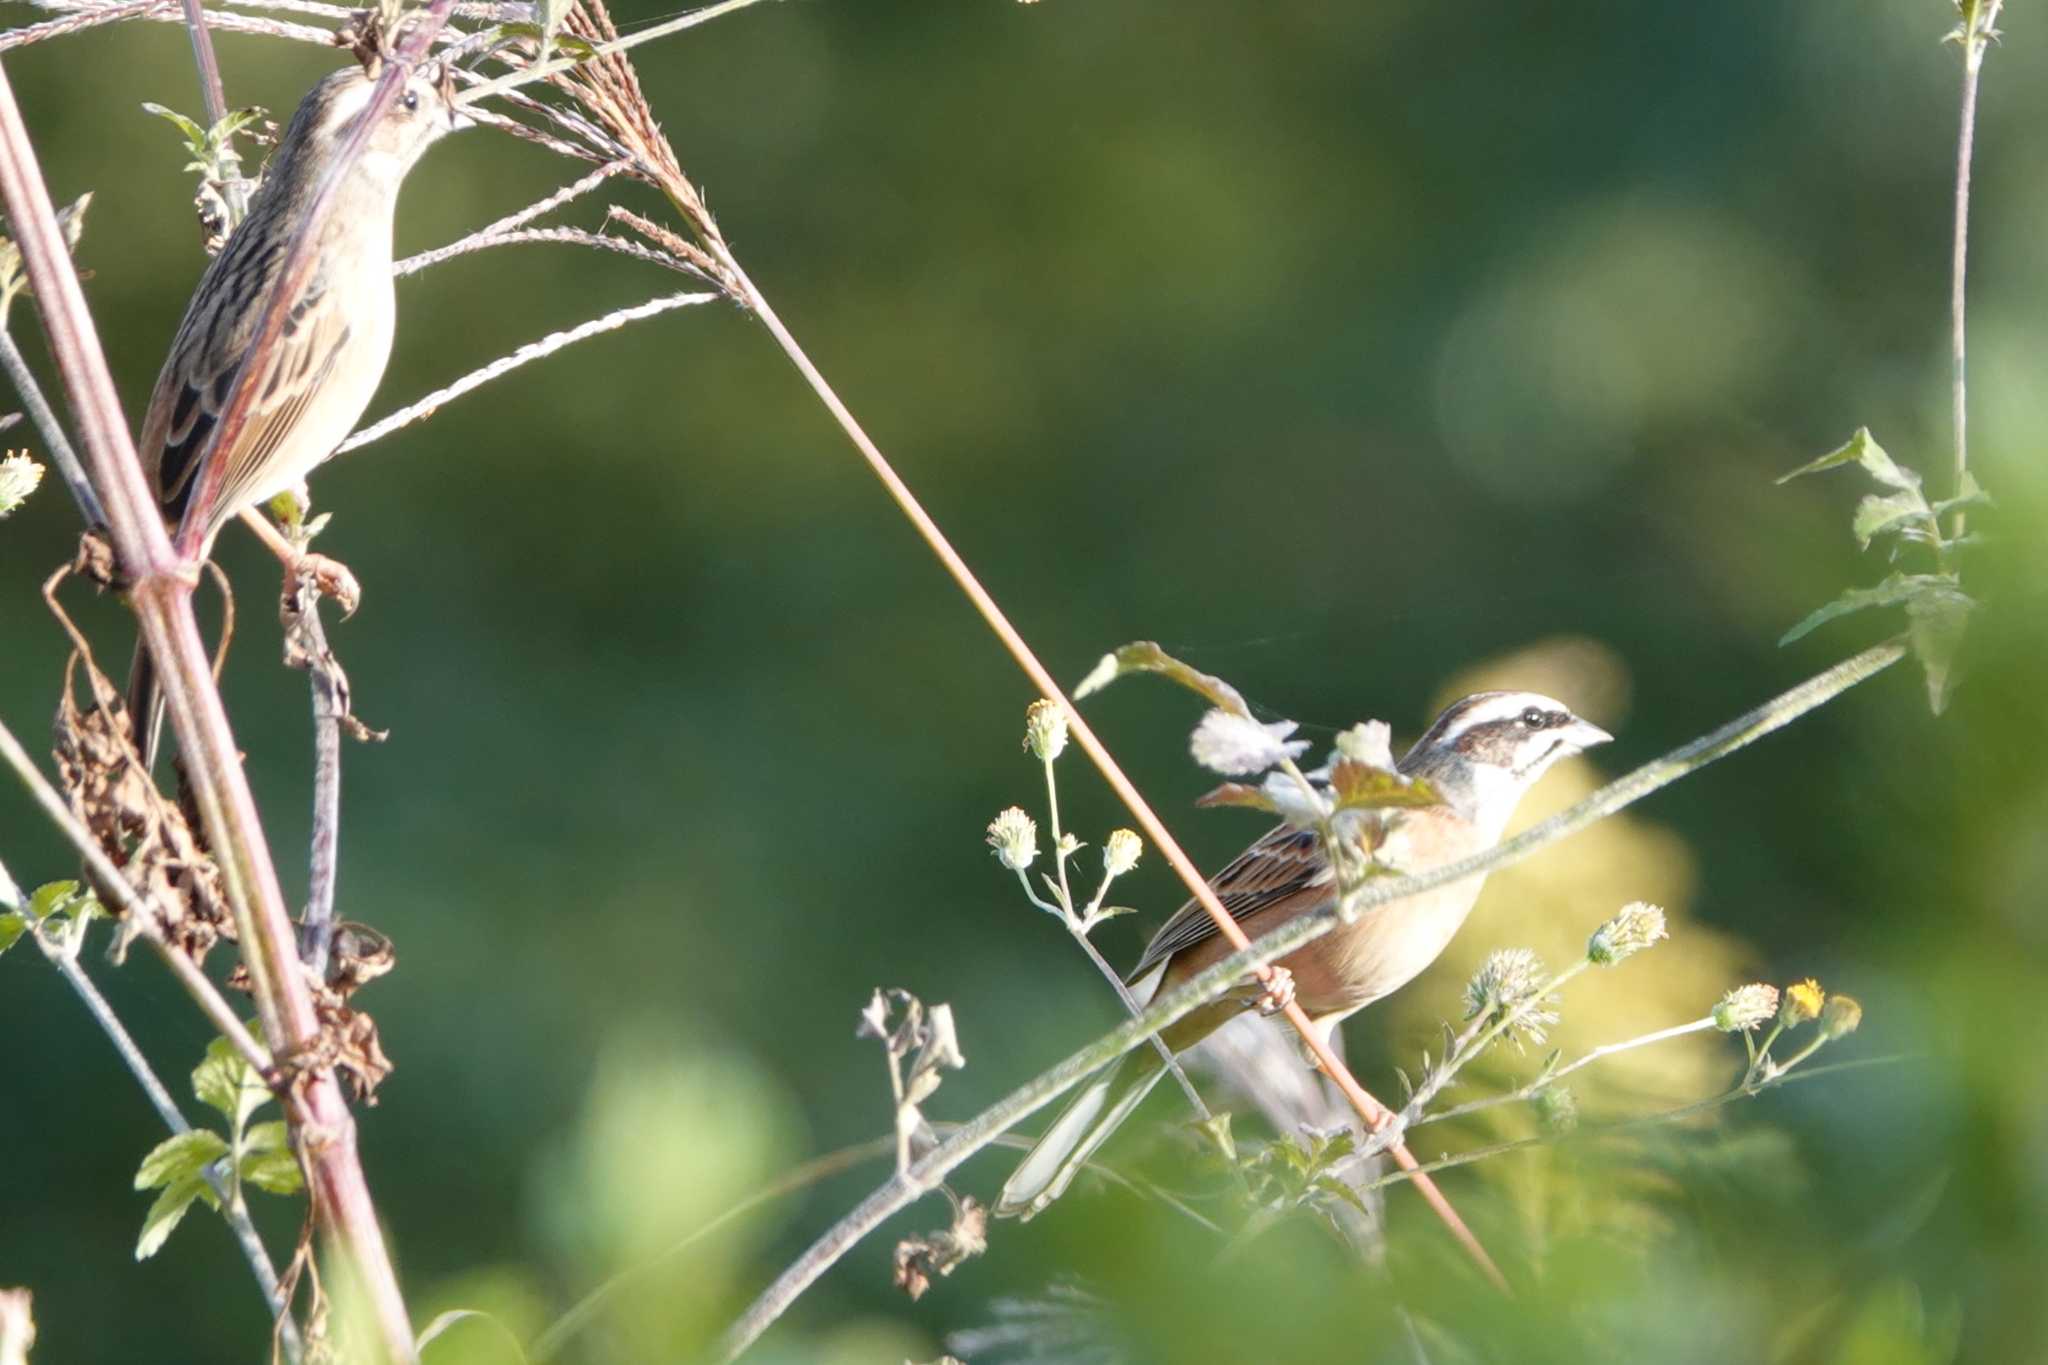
x: 1143, y: 656
x: 1362, y: 786
x: 179, y: 1157
x: 276, y: 1172
x: 1237, y: 794
x: 1882, y: 513
x: 50, y: 898
x: 1896, y: 589
x: 227, y: 1083
x: 1864, y: 450
x: 1934, y: 628
x: 12, y: 925
x: 168, y: 1211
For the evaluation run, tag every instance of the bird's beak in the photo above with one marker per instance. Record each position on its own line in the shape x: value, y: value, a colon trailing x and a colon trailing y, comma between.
x: 1584, y: 734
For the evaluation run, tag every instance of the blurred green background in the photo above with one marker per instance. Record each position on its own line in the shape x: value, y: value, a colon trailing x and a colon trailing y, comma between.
x: 1345, y: 349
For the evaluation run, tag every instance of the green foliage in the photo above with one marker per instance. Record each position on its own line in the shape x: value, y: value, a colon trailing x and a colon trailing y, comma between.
x: 1936, y: 606
x: 212, y: 148
x: 59, y: 910
x: 202, y: 1165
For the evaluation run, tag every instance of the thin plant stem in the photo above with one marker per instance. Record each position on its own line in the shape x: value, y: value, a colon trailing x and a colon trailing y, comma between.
x: 330, y: 705
x: 566, y: 236
x: 1979, y: 28
x: 540, y: 71
x: 546, y: 346
x: 161, y: 594
x: 1658, y: 1119
x: 1169, y: 1007
x: 550, y: 1342
x: 1534, y: 1087
x: 54, y: 441
x: 232, y: 1209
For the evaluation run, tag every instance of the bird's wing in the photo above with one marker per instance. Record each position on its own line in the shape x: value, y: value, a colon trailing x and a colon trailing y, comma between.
x: 1282, y: 864
x: 198, y: 380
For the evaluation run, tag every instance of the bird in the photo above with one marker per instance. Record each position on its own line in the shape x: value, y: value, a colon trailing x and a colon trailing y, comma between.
x: 336, y: 338
x: 337, y: 335
x: 1479, y: 757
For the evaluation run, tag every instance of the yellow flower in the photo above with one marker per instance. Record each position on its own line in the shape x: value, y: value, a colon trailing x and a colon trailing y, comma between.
x: 1803, y: 1001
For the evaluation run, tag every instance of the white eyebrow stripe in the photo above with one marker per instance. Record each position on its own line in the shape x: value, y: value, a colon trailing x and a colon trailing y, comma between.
x: 1492, y: 707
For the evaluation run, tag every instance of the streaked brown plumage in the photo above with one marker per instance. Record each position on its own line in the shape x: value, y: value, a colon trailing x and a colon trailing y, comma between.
x: 337, y: 336
x: 336, y: 341
x: 1481, y: 754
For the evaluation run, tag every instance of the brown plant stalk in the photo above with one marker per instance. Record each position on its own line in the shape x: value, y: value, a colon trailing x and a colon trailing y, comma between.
x: 161, y: 596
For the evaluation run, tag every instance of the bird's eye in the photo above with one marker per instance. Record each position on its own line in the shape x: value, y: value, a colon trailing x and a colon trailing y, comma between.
x: 1534, y: 719
x: 411, y: 100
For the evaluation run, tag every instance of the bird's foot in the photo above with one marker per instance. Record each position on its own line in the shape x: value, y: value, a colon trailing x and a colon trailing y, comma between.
x: 1279, y: 992
x: 330, y: 578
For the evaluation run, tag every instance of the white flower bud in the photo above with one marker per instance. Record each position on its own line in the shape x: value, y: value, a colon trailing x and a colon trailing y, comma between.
x: 1045, y: 729
x: 1014, y: 837
x: 1639, y: 925
x: 1120, y: 852
x: 19, y: 476
x: 1746, y: 1007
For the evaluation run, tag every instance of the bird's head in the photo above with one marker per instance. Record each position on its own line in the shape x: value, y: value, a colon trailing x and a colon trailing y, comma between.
x: 418, y: 118
x: 1487, y: 749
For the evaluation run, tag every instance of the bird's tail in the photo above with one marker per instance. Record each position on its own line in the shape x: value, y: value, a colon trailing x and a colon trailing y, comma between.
x: 145, y: 705
x: 1084, y: 1125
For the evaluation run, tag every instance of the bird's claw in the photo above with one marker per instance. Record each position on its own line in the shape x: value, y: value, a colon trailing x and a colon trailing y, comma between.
x: 330, y: 578
x: 1279, y: 992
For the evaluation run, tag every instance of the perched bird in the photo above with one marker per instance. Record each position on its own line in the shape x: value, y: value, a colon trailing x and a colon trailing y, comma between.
x: 1480, y: 756
x: 336, y: 340
x: 337, y: 336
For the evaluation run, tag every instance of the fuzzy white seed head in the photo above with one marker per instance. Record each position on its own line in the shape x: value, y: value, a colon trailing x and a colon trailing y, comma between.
x: 1120, y: 852
x: 1639, y: 925
x: 1014, y: 837
x: 1746, y: 1008
x: 1045, y: 729
x: 19, y: 476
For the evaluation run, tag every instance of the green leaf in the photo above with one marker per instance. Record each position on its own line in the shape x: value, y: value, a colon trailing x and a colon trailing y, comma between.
x: 12, y: 925
x: 1968, y: 494
x: 179, y: 1157
x: 1882, y: 513
x: 1143, y: 656
x: 1894, y: 590
x: 1864, y: 450
x: 51, y: 898
x: 195, y: 136
x: 1934, y: 626
x: 277, y: 1172
x: 168, y: 1211
x: 1237, y: 794
x: 229, y: 1084
x: 1364, y: 786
